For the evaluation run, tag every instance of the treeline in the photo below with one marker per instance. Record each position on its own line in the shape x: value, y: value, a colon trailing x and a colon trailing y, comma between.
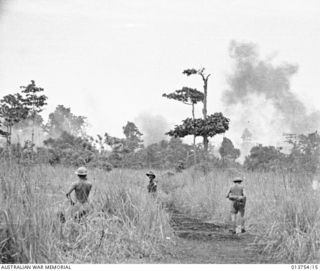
x: 63, y: 140
x: 303, y: 156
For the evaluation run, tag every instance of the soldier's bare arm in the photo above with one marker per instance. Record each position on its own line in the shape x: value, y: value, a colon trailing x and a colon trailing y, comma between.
x: 228, y: 194
x: 89, y: 189
x: 244, y: 196
x: 69, y: 192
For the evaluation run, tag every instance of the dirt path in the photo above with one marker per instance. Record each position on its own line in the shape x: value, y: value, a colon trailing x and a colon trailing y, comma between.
x: 201, y: 242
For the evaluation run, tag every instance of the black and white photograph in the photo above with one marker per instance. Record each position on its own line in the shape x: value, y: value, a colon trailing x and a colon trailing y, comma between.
x: 159, y: 132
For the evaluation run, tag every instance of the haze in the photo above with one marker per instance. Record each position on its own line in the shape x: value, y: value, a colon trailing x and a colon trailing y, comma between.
x: 112, y: 60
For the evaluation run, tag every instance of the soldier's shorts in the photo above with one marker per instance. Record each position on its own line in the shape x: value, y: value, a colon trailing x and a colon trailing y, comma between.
x: 79, y: 210
x: 238, y: 206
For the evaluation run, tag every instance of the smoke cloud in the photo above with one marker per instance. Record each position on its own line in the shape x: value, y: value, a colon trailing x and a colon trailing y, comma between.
x: 153, y: 127
x: 21, y: 135
x: 260, y: 98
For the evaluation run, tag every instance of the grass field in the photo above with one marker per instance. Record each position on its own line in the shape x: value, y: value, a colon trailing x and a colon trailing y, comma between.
x: 127, y: 225
x: 132, y: 226
x: 282, y: 210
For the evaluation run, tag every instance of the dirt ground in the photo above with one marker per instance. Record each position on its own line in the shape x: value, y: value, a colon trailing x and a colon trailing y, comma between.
x: 200, y: 242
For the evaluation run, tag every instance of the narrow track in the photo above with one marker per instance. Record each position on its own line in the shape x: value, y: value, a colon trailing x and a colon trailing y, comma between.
x: 202, y: 242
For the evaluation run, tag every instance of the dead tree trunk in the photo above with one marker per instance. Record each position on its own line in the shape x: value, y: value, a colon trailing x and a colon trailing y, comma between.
x: 204, y: 111
x: 194, y: 139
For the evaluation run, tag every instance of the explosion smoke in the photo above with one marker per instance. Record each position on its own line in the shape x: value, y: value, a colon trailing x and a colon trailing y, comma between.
x: 153, y: 128
x: 260, y: 97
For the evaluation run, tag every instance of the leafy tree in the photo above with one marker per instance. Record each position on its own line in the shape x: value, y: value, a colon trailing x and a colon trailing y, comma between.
x: 133, y: 136
x: 206, y: 127
x: 63, y: 120
x: 118, y: 149
x: 305, y: 153
x: 166, y: 154
x: 209, y: 127
x: 264, y: 158
x: 34, y: 101
x: 12, y: 111
x: 189, y: 96
x: 75, y: 151
x: 123, y: 149
x: 228, y: 151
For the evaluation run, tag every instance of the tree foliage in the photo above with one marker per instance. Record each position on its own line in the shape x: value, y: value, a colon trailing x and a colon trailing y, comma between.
x: 12, y: 111
x: 34, y: 101
x: 133, y: 139
x: 63, y: 120
x: 192, y: 127
x: 166, y: 154
x: 228, y: 151
x: 192, y: 71
x: 186, y: 95
x: 71, y: 150
x: 303, y: 157
x: 264, y: 158
x: 209, y: 127
x: 124, y: 149
x: 305, y: 153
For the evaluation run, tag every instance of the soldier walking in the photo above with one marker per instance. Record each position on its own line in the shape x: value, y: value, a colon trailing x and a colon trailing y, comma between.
x: 238, y: 198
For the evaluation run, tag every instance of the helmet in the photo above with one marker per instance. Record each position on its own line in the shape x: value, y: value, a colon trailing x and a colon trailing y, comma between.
x: 81, y: 171
x: 150, y: 173
x: 238, y: 179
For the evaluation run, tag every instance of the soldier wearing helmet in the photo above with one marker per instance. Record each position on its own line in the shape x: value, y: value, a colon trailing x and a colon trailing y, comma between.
x: 238, y: 198
x: 82, y: 190
x: 152, y: 186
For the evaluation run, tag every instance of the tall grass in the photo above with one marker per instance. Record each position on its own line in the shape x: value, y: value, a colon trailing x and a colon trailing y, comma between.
x: 125, y: 223
x: 282, y: 209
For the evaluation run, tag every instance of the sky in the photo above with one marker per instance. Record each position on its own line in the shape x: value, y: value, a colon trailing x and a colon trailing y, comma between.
x: 111, y: 60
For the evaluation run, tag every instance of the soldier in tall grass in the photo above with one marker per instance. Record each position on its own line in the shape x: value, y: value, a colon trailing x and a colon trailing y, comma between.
x: 238, y: 198
x: 152, y: 186
x: 82, y: 190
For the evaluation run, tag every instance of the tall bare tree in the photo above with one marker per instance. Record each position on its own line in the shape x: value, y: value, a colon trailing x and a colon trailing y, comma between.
x: 205, y: 79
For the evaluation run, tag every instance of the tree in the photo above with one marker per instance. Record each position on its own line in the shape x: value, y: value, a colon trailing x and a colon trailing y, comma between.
x: 34, y: 101
x: 189, y: 96
x: 133, y: 136
x: 63, y: 120
x: 209, y: 127
x: 205, y: 79
x: 124, y: 149
x: 70, y: 150
x: 305, y: 153
x: 12, y: 110
x: 165, y: 154
x: 228, y: 151
x: 206, y: 127
x: 264, y: 158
